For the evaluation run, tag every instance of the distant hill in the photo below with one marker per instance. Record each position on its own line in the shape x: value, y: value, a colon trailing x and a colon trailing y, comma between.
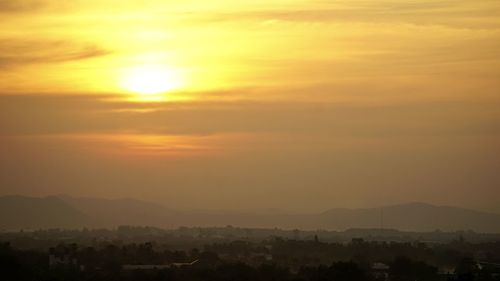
x: 70, y: 212
x: 115, y: 212
x: 20, y: 212
x: 413, y: 217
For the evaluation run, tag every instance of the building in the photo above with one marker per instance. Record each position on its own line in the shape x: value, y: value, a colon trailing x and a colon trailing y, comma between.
x: 157, y: 266
x: 380, y: 271
x: 63, y: 255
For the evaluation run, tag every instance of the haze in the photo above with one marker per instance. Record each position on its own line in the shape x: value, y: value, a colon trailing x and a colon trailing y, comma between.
x: 249, y: 105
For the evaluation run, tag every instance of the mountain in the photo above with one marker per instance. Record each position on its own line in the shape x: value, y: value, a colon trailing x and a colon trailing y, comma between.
x: 406, y: 217
x: 20, y: 212
x: 413, y: 217
x: 115, y: 212
x: 65, y: 211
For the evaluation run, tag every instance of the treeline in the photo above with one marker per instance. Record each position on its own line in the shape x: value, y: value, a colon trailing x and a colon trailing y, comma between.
x: 190, y: 237
x: 314, y: 252
x: 276, y: 259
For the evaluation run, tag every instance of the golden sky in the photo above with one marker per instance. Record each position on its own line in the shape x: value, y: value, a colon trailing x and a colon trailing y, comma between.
x: 294, y: 104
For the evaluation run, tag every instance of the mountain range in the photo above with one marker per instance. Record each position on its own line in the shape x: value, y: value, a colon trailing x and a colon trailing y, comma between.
x: 21, y: 212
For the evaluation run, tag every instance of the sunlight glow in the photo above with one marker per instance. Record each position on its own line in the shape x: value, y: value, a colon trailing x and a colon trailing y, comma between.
x: 151, y: 82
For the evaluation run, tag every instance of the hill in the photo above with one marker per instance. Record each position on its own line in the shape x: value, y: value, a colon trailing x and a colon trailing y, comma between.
x: 69, y: 212
x: 115, y: 212
x: 413, y: 217
x: 20, y: 212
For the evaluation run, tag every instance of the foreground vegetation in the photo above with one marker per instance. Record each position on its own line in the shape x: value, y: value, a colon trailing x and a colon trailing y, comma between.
x: 130, y: 257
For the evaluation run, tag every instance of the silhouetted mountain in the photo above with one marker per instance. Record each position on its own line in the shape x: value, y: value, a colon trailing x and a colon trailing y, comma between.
x: 114, y: 212
x: 413, y: 217
x: 20, y: 212
x: 66, y: 211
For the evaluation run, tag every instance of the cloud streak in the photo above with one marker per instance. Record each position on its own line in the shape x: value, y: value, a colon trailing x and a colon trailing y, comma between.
x: 454, y: 14
x: 15, y: 52
x: 9, y: 6
x: 39, y: 114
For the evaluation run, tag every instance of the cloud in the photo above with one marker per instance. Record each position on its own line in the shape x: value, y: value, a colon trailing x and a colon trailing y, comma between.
x: 312, y: 150
x: 21, y: 5
x: 17, y: 7
x: 14, y: 52
x: 42, y: 114
x: 456, y: 14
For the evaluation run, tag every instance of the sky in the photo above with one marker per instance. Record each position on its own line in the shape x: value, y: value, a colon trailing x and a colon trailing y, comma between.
x: 290, y: 104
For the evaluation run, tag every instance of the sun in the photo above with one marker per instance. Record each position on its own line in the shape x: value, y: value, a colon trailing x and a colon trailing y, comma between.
x: 150, y: 81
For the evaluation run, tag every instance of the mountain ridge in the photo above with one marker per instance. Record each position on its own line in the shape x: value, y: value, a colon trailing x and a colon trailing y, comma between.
x: 65, y: 211
x: 24, y: 212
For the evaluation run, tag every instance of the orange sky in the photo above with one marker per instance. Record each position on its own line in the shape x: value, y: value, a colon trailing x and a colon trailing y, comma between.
x: 292, y: 104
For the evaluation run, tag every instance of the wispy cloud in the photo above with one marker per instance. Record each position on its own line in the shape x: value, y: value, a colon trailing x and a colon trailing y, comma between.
x: 45, y: 115
x: 21, y: 5
x: 15, y: 52
x: 455, y: 14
